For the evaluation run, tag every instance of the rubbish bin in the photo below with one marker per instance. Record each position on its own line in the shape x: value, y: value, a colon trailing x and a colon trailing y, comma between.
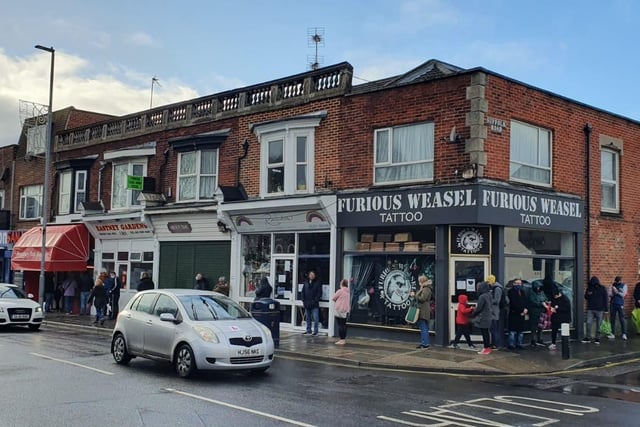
x: 267, y: 312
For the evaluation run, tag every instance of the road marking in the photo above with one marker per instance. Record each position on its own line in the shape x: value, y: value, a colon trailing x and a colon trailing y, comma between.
x: 239, y: 408
x: 72, y: 363
x: 488, y: 411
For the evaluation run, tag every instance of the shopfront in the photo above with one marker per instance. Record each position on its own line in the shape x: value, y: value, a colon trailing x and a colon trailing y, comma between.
x: 455, y: 235
x: 191, y: 243
x: 126, y: 245
x: 283, y: 244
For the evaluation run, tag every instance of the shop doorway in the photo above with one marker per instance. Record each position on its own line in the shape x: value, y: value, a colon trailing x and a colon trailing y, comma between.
x: 284, y: 291
x: 465, y: 273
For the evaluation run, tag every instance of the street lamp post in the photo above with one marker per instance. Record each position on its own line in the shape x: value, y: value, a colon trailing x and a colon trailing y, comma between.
x: 45, y: 189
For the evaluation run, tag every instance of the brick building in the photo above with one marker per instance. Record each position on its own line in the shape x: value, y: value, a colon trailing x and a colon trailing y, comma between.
x: 449, y: 172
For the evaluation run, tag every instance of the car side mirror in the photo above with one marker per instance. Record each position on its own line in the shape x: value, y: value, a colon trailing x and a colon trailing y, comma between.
x: 167, y: 317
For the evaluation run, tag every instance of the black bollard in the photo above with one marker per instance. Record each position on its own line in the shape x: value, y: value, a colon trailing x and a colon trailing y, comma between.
x: 564, y: 332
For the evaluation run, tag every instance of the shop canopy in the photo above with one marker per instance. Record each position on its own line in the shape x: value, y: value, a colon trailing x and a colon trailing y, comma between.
x: 66, y: 249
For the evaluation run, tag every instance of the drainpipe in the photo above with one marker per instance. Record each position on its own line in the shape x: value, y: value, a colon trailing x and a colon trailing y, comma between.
x: 245, y: 147
x: 587, y: 202
x: 103, y: 165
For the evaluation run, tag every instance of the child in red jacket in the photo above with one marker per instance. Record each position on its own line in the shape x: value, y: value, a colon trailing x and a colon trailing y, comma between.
x: 463, y: 320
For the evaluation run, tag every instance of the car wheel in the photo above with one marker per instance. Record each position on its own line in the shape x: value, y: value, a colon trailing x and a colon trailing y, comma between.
x: 34, y: 327
x: 184, y: 361
x: 119, y: 350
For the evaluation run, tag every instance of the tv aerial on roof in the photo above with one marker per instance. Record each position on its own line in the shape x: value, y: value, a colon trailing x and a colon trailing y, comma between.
x: 315, y: 39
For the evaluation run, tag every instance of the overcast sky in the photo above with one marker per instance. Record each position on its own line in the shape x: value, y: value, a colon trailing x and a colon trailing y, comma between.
x: 107, y: 52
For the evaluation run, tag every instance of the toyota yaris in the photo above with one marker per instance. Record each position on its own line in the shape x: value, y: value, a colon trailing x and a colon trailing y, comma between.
x: 192, y: 329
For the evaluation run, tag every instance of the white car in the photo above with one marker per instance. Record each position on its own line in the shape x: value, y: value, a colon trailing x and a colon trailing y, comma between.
x: 193, y: 330
x: 16, y: 308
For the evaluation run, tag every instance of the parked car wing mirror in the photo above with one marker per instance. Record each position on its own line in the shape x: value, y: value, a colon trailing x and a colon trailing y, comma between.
x: 167, y: 317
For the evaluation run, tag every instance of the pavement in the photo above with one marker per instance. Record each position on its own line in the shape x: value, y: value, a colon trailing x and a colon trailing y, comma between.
x: 402, y: 355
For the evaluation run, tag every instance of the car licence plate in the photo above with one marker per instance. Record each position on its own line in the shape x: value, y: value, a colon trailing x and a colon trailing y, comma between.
x: 20, y: 316
x: 249, y: 352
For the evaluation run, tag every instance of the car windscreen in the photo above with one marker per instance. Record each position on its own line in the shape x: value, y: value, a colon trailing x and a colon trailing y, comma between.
x: 11, y: 292
x: 208, y: 307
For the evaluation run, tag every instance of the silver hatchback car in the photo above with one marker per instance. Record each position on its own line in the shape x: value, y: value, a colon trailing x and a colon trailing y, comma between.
x: 193, y: 330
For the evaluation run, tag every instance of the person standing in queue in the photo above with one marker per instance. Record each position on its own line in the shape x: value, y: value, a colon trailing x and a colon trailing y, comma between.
x: 482, y: 316
x: 115, y: 295
x: 264, y: 289
x: 342, y: 306
x: 98, y: 297
x: 423, y: 296
x: 145, y: 283
x: 311, y: 294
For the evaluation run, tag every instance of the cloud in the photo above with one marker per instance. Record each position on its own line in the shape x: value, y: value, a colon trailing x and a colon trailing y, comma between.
x: 116, y: 91
x: 141, y: 39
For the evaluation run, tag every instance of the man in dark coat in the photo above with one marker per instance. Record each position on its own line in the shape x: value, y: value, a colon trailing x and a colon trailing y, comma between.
x: 311, y: 294
x: 201, y: 283
x: 518, y: 314
x: 596, y: 296
x: 264, y: 289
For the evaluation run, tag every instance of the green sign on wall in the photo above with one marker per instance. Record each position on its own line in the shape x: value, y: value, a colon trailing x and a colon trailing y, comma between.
x: 134, y: 182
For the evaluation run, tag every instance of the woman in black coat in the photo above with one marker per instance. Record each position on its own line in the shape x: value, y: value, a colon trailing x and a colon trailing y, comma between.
x: 518, y: 314
x: 264, y: 289
x: 482, y: 316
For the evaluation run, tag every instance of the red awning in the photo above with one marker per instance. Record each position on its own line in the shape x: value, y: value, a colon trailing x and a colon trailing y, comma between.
x: 66, y: 249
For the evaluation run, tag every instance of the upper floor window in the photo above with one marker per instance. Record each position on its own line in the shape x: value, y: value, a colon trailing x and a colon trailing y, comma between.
x: 36, y: 139
x: 530, y: 154
x: 73, y: 191
x: 31, y: 201
x: 403, y: 153
x: 287, y: 155
x: 197, y: 175
x: 609, y: 176
x: 121, y: 195
x: 1, y: 199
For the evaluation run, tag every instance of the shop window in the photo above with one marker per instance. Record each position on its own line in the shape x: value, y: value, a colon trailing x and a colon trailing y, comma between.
x: 284, y: 243
x: 524, y: 241
x: 609, y: 176
x: 314, y: 244
x: 30, y: 202
x: 380, y: 286
x: 530, y: 150
x: 256, y: 257
x: 404, y: 154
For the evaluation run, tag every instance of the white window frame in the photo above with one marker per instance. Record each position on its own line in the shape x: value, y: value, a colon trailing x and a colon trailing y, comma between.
x: 1, y: 199
x: 289, y: 131
x: 65, y: 191
x: 614, y: 182
x: 36, y: 139
x: 30, y: 192
x: 198, y: 175
x: 130, y: 163
x: 80, y: 188
x: 389, y: 159
x: 534, y: 163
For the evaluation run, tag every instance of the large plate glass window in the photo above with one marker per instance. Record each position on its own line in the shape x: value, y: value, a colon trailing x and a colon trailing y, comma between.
x: 404, y: 153
x: 609, y: 175
x: 530, y: 158
x: 30, y: 202
x: 543, y: 258
x: 381, y: 279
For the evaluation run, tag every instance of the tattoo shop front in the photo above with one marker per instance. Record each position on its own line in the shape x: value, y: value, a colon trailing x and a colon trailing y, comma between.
x: 456, y: 235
